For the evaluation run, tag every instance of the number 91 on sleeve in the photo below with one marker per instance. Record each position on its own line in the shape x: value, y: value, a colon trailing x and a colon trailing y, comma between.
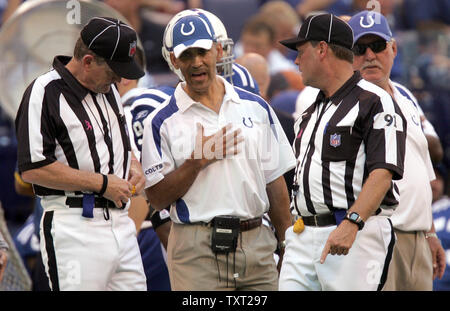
x: 384, y: 120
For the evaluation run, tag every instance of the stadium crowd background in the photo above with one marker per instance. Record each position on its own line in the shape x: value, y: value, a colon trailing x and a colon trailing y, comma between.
x: 421, y: 28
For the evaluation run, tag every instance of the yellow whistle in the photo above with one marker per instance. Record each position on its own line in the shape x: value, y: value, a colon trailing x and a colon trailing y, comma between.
x: 299, y: 226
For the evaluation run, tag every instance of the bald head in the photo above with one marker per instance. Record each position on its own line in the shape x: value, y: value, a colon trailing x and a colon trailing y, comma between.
x: 258, y: 68
x: 345, y: 18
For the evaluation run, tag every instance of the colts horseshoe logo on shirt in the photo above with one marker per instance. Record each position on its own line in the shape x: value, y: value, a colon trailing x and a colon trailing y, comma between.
x: 250, y: 125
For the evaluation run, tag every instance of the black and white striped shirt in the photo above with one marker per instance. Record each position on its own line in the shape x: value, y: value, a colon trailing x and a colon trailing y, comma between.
x: 340, y: 140
x: 61, y: 120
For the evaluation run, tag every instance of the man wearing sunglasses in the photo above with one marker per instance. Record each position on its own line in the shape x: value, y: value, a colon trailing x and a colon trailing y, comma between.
x: 374, y: 52
x: 349, y: 147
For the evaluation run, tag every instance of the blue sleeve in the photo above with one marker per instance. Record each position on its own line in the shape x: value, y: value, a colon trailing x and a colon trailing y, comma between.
x: 138, y: 115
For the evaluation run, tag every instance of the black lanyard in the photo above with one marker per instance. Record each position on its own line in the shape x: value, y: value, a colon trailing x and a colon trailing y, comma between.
x: 105, y: 131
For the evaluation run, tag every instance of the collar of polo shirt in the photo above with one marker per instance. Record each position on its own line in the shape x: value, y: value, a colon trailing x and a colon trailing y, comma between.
x: 186, y: 101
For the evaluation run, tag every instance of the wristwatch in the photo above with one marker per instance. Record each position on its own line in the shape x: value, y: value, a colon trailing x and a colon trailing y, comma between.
x: 356, y: 219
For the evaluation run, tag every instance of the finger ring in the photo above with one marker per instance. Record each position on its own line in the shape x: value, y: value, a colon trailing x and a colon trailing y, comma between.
x: 133, y: 190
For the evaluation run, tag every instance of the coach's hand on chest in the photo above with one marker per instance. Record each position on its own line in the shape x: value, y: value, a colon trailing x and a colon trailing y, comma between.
x: 251, y: 131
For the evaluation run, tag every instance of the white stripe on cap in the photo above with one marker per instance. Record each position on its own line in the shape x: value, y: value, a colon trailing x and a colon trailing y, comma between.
x: 331, y: 25
x: 309, y: 24
x: 104, y: 19
x: 207, y: 28
x: 117, y: 42
x: 92, y: 41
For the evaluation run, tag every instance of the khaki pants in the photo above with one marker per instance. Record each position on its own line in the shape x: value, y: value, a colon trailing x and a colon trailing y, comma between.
x: 193, y: 266
x: 411, y: 267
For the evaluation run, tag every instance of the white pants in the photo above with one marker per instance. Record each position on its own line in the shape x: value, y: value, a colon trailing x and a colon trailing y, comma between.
x: 90, y: 253
x: 363, y: 268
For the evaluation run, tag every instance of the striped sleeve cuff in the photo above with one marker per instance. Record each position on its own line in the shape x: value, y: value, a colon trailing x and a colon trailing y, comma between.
x: 397, y: 173
x: 29, y: 166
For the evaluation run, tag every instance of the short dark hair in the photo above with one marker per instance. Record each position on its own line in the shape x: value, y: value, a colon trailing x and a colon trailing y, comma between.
x: 257, y: 25
x: 338, y: 51
x: 81, y: 49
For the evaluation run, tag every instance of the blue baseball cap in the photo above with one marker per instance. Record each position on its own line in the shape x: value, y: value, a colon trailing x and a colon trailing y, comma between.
x: 370, y: 22
x: 191, y: 32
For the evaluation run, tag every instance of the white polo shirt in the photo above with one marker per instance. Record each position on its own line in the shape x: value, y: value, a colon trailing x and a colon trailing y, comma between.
x: 414, y: 210
x: 235, y: 185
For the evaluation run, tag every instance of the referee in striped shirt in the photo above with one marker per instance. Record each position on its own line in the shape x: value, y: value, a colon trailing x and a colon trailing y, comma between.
x: 74, y: 148
x: 350, y: 144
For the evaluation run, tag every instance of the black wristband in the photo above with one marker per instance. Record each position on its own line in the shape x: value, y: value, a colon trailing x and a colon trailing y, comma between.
x: 104, y: 185
x: 157, y: 220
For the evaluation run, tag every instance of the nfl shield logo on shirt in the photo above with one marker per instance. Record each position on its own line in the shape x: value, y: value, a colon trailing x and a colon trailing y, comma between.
x: 335, y: 140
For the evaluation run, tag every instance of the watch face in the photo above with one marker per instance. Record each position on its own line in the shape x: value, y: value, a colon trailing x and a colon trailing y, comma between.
x: 354, y: 216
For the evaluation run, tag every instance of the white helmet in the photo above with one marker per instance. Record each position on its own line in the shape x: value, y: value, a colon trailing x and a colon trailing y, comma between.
x: 224, y: 66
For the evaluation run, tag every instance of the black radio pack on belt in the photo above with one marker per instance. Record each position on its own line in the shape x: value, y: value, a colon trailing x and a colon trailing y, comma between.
x: 225, y: 234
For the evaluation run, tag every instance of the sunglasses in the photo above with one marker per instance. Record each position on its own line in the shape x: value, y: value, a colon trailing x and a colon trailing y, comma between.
x: 376, y: 47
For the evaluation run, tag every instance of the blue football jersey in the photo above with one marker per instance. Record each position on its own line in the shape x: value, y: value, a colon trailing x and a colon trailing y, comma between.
x: 138, y: 107
x: 243, y: 79
x: 441, y: 219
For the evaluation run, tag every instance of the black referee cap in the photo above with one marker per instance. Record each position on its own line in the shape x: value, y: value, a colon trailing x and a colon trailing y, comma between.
x: 116, y: 42
x: 323, y: 27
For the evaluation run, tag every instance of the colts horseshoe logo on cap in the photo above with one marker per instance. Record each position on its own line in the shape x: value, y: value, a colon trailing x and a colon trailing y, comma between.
x: 187, y: 33
x: 370, y: 24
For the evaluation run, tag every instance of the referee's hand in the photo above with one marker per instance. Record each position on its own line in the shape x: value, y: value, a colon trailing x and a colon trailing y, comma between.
x: 340, y: 240
x: 118, y: 190
x: 136, y: 177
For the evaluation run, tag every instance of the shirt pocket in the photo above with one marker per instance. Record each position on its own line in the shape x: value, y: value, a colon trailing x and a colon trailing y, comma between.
x: 339, y: 144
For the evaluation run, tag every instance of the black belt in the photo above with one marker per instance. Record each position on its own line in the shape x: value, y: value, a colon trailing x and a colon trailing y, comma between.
x: 99, y: 202
x: 244, y: 225
x: 321, y: 220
